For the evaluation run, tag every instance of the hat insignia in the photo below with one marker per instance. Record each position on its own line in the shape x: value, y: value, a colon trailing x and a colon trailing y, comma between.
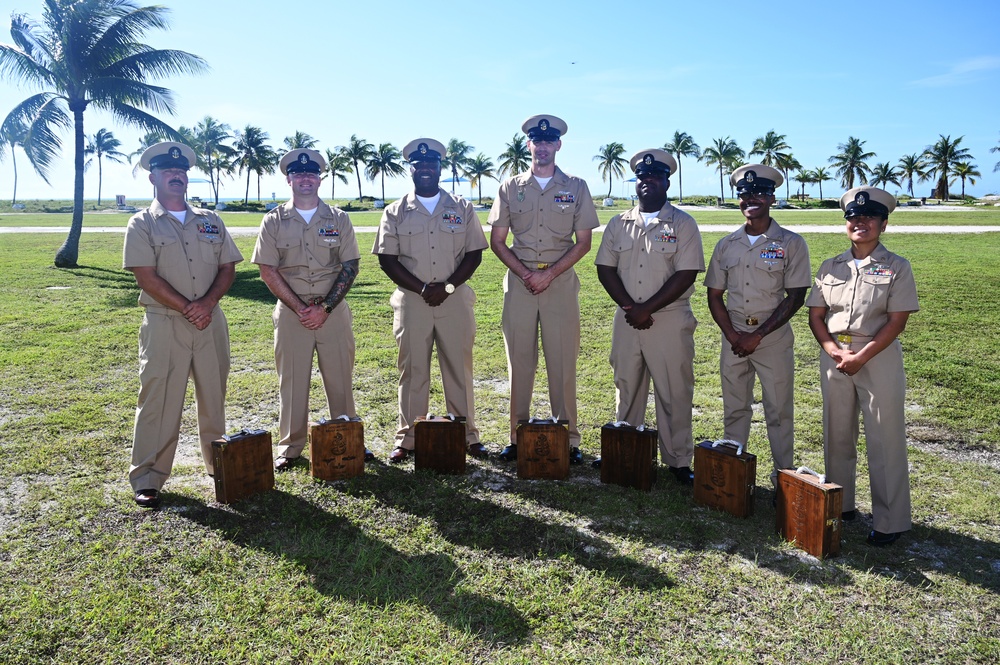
x: 422, y: 148
x: 750, y: 176
x: 647, y: 160
x: 175, y: 152
x: 861, y: 199
x: 303, y: 158
x: 543, y: 125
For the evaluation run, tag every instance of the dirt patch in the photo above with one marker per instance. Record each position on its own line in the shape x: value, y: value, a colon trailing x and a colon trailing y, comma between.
x: 943, y: 443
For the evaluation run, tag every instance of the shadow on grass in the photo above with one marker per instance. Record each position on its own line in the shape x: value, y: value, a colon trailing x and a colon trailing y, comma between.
x: 344, y: 562
x: 467, y: 520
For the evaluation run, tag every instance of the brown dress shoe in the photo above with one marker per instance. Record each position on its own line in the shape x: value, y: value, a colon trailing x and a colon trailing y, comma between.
x: 148, y: 498
x: 478, y: 451
x: 285, y: 463
x: 398, y: 455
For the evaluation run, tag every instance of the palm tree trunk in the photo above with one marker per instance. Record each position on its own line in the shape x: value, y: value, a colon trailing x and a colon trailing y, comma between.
x: 358, y: 174
x: 69, y: 252
x: 611, y: 182
x: 680, y: 182
x: 383, y: 187
x: 722, y: 189
x: 454, y: 176
x: 820, y: 190
x: 100, y: 178
x: 13, y: 160
x: 246, y: 197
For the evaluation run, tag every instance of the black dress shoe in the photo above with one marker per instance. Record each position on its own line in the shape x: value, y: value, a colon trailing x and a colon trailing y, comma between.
x: 879, y: 539
x: 398, y: 454
x: 575, y: 456
x: 683, y: 474
x: 509, y: 453
x: 596, y: 463
x: 369, y: 456
x: 148, y: 498
x: 848, y: 515
x: 285, y: 463
x: 478, y: 451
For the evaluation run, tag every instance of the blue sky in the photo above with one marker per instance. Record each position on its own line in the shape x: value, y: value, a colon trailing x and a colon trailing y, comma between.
x: 895, y: 74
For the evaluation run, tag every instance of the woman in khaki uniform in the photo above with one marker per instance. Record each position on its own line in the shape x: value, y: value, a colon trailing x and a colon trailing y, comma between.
x: 859, y: 305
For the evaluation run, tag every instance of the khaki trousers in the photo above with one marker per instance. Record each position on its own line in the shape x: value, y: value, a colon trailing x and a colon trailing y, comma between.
x: 665, y: 353
x: 877, y: 392
x: 557, y: 312
x: 294, y: 346
x: 418, y: 327
x: 774, y: 362
x: 171, y: 350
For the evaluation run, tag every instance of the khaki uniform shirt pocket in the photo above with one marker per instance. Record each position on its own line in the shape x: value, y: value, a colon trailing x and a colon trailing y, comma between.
x: 167, y: 249
x: 211, y: 248
x: 522, y: 216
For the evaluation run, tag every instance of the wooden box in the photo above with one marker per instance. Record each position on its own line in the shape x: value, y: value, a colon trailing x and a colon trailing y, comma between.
x: 336, y: 449
x: 439, y: 444
x: 628, y: 456
x: 808, y: 511
x: 243, y: 465
x: 543, y: 449
x: 725, y: 477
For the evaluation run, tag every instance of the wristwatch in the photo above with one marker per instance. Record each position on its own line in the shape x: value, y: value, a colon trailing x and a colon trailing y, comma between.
x: 328, y: 308
x: 449, y: 288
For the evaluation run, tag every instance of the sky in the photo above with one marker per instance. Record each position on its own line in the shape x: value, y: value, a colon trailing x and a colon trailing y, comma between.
x: 896, y: 74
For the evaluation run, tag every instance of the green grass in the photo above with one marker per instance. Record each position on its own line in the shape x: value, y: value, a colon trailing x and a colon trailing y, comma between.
x: 398, y: 566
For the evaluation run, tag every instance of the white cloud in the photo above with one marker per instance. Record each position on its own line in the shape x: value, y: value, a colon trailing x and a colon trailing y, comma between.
x: 961, y: 73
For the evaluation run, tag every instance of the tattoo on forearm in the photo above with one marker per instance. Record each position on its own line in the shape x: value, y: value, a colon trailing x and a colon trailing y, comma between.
x: 341, y: 285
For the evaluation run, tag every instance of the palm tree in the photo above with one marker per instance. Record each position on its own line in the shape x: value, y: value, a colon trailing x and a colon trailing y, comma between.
x: 337, y: 167
x: 850, y: 163
x: 41, y: 151
x: 359, y: 151
x: 772, y: 147
x: 91, y: 53
x: 610, y: 163
x: 456, y: 157
x: 912, y: 166
x: 996, y: 148
x: 820, y: 176
x: 804, y: 177
x: 300, y: 140
x: 883, y: 174
x: 253, y: 155
x: 721, y: 154
x: 148, y: 140
x: 387, y: 159
x: 681, y: 145
x: 103, y: 144
x: 733, y: 163
x: 786, y: 164
x: 516, y: 158
x: 479, y: 167
x: 214, y: 154
x: 966, y: 171
x: 942, y: 157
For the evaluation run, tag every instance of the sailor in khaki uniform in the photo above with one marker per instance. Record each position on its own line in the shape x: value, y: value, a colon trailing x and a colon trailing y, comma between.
x: 858, y: 306
x: 184, y: 261
x: 765, y: 270
x: 429, y: 243
x: 648, y: 261
x: 545, y: 209
x: 308, y: 257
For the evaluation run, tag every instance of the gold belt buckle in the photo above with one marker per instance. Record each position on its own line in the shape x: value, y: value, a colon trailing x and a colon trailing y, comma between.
x: 542, y: 266
x: 751, y: 320
x: 844, y: 339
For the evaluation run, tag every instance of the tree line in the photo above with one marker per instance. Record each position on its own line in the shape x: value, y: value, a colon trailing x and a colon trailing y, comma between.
x: 94, y: 53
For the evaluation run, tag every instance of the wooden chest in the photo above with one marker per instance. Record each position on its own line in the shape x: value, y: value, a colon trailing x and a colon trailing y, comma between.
x: 808, y: 511
x: 243, y: 465
x: 725, y: 477
x: 628, y: 456
x: 337, y: 449
x: 439, y: 444
x: 543, y: 449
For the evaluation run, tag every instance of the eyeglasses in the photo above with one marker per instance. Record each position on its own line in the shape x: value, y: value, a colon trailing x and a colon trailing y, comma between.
x: 746, y: 196
x: 304, y: 175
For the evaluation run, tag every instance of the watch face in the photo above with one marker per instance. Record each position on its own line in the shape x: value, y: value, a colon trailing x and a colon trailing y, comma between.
x: 449, y: 288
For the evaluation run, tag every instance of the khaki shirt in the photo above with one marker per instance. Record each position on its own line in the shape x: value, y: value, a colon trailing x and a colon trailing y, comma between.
x: 756, y: 276
x: 429, y: 245
x: 646, y: 258
x: 186, y: 255
x: 543, y: 221
x: 859, y: 298
x: 309, y: 256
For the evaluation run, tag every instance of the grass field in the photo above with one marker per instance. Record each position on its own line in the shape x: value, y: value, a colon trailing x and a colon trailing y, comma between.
x: 405, y: 567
